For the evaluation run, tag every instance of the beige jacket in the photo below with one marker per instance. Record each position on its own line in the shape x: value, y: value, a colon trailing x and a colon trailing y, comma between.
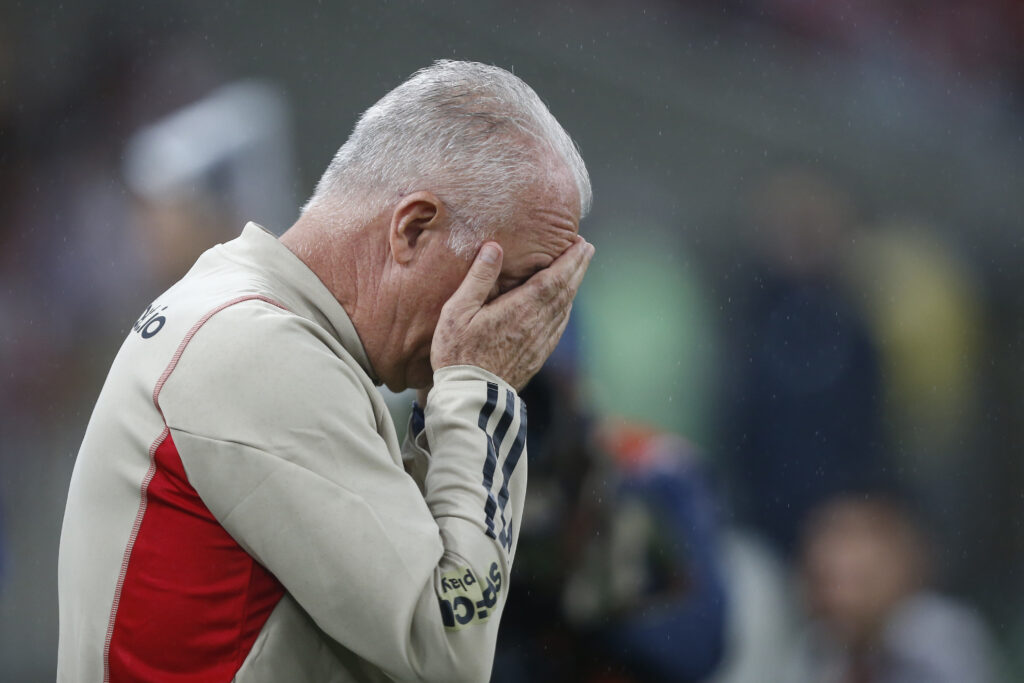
x: 240, y: 508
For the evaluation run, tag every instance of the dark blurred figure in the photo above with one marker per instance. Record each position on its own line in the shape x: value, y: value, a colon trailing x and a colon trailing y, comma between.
x: 865, y: 568
x: 617, y: 575
x: 805, y: 414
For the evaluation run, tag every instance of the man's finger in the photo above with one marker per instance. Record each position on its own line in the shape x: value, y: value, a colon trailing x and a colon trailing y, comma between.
x: 480, y: 279
x: 581, y: 265
x: 566, y: 272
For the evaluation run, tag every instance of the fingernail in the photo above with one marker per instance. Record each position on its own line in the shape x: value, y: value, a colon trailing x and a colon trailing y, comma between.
x: 489, y: 254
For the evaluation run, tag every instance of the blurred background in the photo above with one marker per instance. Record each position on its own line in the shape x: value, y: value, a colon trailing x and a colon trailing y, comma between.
x: 780, y: 440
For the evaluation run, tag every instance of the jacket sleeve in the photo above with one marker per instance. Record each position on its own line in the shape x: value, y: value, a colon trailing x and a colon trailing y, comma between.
x: 278, y: 436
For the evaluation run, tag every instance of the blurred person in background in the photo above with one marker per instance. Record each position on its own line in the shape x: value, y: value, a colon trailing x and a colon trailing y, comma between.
x: 202, y: 168
x: 865, y: 570
x: 619, y: 577
x: 926, y: 308
x: 804, y: 415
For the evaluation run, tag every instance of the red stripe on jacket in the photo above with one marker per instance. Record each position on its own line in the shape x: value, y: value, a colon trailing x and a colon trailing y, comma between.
x: 190, y: 602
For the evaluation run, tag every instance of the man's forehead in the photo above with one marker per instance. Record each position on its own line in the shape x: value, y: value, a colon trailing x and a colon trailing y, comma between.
x: 545, y: 227
x: 559, y: 217
x: 536, y: 247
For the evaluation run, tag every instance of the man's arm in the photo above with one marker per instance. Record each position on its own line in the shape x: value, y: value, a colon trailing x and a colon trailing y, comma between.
x: 279, y: 439
x: 278, y: 436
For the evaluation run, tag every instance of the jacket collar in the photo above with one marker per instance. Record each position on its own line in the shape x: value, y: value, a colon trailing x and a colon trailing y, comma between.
x: 301, y: 291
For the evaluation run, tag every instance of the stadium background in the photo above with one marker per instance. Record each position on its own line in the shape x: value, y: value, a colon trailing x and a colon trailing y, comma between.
x: 706, y: 127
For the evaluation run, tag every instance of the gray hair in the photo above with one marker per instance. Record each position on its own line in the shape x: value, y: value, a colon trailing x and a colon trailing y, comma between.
x: 475, y: 135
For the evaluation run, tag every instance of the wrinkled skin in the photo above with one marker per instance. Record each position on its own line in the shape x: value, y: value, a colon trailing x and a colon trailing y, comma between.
x: 512, y: 334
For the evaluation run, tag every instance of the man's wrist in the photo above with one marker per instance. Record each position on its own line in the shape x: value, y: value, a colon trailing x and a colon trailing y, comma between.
x: 462, y: 373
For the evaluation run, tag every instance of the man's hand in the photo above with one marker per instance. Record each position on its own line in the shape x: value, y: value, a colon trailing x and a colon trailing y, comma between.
x: 515, y: 333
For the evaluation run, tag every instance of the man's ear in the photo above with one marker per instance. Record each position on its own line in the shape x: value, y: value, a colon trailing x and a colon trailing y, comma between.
x: 417, y: 216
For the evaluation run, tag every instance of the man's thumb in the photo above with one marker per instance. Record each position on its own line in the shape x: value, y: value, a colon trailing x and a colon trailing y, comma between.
x: 482, y: 275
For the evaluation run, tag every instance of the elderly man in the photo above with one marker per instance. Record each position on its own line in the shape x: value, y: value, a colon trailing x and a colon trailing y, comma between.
x: 240, y: 508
